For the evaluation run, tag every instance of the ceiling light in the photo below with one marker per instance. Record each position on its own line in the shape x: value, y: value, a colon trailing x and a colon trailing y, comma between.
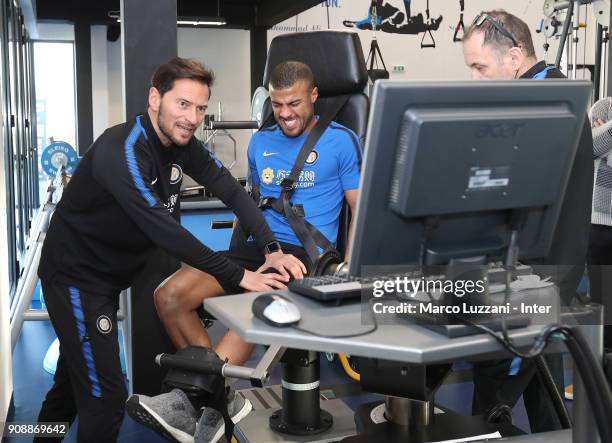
x: 204, y: 21
x: 188, y: 21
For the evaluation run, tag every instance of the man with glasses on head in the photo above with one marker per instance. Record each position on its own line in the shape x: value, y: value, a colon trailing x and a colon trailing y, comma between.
x: 498, y: 46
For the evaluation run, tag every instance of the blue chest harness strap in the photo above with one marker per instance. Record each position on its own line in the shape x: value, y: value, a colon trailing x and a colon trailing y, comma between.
x: 310, y: 237
x: 542, y: 74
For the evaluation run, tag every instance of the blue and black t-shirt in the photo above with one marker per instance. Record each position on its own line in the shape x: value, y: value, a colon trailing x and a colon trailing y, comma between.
x: 331, y: 168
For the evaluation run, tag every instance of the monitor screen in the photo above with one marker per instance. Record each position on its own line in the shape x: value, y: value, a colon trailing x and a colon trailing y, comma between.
x: 449, y: 165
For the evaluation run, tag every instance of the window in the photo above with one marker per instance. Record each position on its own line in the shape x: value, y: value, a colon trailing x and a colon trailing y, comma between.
x: 55, y: 97
x: 19, y: 135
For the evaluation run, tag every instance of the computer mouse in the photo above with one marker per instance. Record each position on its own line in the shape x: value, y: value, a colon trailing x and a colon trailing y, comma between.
x: 275, y: 310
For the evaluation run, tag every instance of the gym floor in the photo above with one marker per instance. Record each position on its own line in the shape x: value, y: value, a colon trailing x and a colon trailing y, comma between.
x: 31, y: 382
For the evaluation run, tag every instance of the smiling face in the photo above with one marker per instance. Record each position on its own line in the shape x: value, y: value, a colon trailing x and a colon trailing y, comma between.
x: 177, y: 114
x: 294, y: 107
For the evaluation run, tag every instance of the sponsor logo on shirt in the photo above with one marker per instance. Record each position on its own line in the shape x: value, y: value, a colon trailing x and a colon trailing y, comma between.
x: 306, y: 179
x: 171, y: 203
x: 176, y: 174
x: 312, y: 158
x: 267, y: 175
x: 268, y: 154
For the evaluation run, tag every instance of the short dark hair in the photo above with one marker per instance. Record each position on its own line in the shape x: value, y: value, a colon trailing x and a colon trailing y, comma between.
x: 286, y: 74
x: 511, y: 23
x: 179, y: 68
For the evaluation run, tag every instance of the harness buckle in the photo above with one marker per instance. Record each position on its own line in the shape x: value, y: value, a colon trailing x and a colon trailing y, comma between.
x: 264, y: 202
x: 288, y: 185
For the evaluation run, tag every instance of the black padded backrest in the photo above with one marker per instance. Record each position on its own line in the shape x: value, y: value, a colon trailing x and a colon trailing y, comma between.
x: 353, y: 115
x: 336, y: 60
x: 335, y: 57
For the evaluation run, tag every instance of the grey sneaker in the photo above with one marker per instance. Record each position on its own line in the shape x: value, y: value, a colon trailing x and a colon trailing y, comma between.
x: 238, y: 407
x: 170, y: 415
x: 210, y: 427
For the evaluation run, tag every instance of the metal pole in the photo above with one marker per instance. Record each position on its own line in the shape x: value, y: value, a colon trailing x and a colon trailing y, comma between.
x: 35, y: 229
x: 23, y: 281
x: 301, y: 413
x: 407, y: 412
x: 585, y: 428
x: 608, y: 63
x: 36, y: 315
x: 575, y: 33
x: 598, y: 54
x: 25, y: 297
x: 40, y: 227
x: 604, y: 64
x: 560, y: 6
x: 563, y: 40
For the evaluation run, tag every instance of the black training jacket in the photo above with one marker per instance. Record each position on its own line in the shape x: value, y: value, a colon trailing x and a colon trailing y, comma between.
x: 121, y: 204
x: 571, y: 237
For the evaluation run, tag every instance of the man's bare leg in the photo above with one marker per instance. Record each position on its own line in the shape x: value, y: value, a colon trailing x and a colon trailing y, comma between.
x: 234, y: 348
x: 177, y: 300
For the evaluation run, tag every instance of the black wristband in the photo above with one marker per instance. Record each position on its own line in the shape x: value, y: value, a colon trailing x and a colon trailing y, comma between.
x: 272, y: 247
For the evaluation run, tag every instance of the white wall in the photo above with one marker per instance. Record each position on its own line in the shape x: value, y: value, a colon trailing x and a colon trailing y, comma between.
x: 107, y: 99
x: 227, y: 53
x: 55, y: 31
x: 99, y: 80
x: 445, y: 62
x: 115, y: 84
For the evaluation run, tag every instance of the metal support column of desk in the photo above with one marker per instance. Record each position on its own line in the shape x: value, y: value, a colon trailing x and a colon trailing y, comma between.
x: 302, y: 417
x: 398, y: 341
x: 301, y: 413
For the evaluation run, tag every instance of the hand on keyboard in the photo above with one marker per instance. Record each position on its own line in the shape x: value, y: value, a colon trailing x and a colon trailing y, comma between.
x: 274, y: 271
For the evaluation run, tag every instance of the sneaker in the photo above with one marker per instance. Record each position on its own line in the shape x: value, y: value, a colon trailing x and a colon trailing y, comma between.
x: 210, y: 426
x: 170, y: 415
x: 238, y: 407
x: 569, y: 392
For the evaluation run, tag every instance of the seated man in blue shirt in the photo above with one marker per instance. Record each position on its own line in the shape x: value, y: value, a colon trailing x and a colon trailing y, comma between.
x: 330, y: 175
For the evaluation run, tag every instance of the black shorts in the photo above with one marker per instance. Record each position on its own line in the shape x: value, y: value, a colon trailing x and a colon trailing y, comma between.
x: 250, y: 257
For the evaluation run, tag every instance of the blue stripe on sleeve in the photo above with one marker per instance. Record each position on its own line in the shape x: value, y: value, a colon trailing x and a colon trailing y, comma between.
x: 214, y: 157
x: 77, y: 309
x: 130, y: 158
x: 141, y: 128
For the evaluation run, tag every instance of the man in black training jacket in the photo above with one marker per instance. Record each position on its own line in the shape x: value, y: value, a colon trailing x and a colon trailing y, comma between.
x: 120, y: 206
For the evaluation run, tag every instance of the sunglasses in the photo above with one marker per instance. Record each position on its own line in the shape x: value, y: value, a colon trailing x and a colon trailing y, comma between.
x: 483, y: 17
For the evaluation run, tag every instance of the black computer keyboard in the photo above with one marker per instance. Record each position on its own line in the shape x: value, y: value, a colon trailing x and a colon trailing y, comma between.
x: 331, y: 287
x: 328, y: 288
x: 334, y: 288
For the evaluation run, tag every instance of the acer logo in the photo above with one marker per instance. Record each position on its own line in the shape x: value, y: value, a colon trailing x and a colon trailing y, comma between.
x: 499, y: 130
